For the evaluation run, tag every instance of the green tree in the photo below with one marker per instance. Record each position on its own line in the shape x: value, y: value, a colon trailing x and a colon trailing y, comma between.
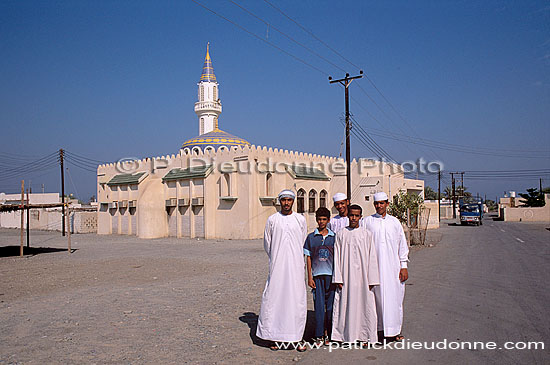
x: 533, y: 198
x: 403, y: 201
x: 491, y: 204
x: 429, y: 193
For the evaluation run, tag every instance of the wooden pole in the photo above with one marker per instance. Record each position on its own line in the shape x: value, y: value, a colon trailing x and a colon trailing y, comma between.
x: 61, y: 155
x: 439, y: 195
x: 22, y: 215
x: 409, y: 225
x: 68, y: 230
x: 346, y: 81
x: 28, y: 219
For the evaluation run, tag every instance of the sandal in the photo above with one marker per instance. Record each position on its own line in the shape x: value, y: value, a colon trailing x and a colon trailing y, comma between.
x: 319, y: 341
x: 274, y: 346
x: 327, y: 341
x: 301, y: 347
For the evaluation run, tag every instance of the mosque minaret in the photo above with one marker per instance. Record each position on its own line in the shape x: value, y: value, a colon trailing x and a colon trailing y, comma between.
x: 208, y: 107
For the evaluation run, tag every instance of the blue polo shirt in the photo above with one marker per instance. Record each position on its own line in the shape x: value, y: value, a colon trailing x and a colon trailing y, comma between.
x: 321, y: 250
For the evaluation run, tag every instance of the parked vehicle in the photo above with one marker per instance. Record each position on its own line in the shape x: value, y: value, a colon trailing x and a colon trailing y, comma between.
x: 471, y: 213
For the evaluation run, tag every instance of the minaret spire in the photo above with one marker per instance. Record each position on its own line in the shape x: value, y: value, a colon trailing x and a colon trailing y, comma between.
x: 209, y: 107
x: 207, y: 68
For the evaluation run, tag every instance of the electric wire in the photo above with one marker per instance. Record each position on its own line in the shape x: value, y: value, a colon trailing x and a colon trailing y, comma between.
x: 288, y: 37
x: 262, y: 39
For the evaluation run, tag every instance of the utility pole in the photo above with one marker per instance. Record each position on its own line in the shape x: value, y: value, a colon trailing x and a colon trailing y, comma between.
x: 540, y: 185
x: 439, y: 194
x: 462, y: 185
x: 22, y: 216
x: 346, y: 81
x: 453, y: 192
x: 61, y: 155
x: 28, y: 218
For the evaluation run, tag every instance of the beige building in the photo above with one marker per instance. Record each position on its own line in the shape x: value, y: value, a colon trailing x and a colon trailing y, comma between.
x: 230, y: 193
x: 221, y: 186
x: 82, y: 219
x: 510, y: 210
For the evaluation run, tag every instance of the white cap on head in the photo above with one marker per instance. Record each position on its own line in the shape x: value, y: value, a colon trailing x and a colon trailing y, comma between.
x: 339, y: 196
x: 380, y: 196
x: 287, y: 194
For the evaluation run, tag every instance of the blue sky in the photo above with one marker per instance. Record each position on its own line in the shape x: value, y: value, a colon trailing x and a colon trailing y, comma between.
x: 114, y: 79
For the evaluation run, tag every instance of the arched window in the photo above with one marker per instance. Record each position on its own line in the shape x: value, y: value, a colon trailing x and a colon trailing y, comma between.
x: 223, y: 148
x: 311, y: 202
x: 202, y: 93
x: 268, y: 183
x: 186, y: 151
x: 209, y: 149
x: 226, y: 184
x: 202, y: 126
x: 196, y: 150
x: 215, y: 93
x: 300, y: 203
x: 323, y: 199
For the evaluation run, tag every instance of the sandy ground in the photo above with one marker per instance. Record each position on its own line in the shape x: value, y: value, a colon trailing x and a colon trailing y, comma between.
x: 119, y: 299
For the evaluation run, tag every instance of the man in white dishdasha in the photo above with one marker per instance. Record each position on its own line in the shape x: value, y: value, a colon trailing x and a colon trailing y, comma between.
x: 393, y: 254
x: 283, y: 310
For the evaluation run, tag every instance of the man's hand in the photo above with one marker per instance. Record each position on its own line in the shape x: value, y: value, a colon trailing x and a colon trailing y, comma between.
x: 403, y: 275
x: 311, y: 283
x: 340, y: 286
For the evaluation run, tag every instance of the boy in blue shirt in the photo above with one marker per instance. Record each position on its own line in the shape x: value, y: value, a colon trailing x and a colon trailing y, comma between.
x: 319, y: 250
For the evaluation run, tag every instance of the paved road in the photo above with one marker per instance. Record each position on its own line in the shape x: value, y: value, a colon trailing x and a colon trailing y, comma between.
x: 118, y: 299
x: 488, y: 283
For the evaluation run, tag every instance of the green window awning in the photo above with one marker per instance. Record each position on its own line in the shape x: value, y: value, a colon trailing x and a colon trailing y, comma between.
x: 307, y: 173
x: 192, y: 172
x: 127, y: 179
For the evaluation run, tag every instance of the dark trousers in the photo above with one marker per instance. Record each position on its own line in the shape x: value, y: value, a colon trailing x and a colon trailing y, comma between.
x: 323, y: 298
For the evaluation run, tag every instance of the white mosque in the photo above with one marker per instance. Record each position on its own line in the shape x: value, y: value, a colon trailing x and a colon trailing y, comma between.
x: 220, y: 186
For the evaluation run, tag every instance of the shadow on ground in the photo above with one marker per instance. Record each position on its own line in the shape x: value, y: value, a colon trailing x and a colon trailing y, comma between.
x: 251, y: 319
x: 9, y: 251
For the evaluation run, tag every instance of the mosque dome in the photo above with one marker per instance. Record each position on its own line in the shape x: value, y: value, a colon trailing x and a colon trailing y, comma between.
x: 216, y: 139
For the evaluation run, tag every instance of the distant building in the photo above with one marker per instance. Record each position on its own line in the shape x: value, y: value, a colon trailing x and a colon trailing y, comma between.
x: 82, y: 219
x: 221, y: 186
x: 512, y: 210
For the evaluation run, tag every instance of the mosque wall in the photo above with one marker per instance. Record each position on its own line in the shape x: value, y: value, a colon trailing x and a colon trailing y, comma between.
x: 237, y: 196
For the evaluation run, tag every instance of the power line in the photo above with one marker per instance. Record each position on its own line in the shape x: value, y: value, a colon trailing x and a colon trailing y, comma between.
x: 262, y: 39
x: 85, y: 158
x: 370, y: 145
x: 80, y: 166
x: 352, y: 64
x: 379, y: 122
x: 38, y: 165
x: 84, y: 162
x: 366, y: 135
x: 288, y: 36
x: 311, y: 34
x: 500, y: 171
x: 318, y: 55
x: 72, y: 181
x: 450, y: 147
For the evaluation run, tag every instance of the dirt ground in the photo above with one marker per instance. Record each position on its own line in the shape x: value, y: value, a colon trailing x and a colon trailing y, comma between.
x: 119, y: 299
